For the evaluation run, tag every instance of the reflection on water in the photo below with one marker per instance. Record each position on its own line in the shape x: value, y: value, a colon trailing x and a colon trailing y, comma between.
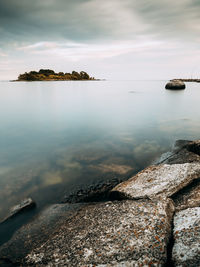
x: 57, y: 136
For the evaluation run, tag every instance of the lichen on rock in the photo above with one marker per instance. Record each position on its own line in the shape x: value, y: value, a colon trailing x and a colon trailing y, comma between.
x: 119, y: 233
x: 186, y: 250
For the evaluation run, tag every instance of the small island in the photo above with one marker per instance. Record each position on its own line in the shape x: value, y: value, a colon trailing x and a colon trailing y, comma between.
x: 51, y: 75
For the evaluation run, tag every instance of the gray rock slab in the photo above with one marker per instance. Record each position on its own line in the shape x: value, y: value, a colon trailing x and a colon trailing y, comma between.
x: 158, y: 181
x: 119, y: 233
x: 36, y: 232
x: 188, y: 197
x: 186, y: 250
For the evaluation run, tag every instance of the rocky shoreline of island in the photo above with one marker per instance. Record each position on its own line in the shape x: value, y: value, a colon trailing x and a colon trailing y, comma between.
x: 152, y: 219
x: 51, y: 75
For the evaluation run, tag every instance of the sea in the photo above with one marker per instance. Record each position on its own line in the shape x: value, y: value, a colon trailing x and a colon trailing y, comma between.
x: 59, y: 136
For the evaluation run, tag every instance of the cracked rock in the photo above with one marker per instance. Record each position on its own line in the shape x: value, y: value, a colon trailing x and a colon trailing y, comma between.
x: 186, y: 250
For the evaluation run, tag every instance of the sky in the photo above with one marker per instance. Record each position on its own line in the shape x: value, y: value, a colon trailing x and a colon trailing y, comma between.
x: 111, y: 39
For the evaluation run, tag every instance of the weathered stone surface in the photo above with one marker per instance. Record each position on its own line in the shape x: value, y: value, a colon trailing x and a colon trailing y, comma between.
x: 26, y: 204
x: 36, y: 232
x: 186, y: 250
x: 119, y: 233
x: 158, y: 181
x: 175, y: 85
x: 188, y: 197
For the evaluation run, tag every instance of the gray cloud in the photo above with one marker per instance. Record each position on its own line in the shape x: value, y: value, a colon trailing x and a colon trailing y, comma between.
x: 172, y: 18
x: 148, y: 36
x: 29, y: 21
x: 88, y: 20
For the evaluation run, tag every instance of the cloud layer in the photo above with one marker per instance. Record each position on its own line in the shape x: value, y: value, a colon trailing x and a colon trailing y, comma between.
x: 88, y: 20
x: 89, y: 29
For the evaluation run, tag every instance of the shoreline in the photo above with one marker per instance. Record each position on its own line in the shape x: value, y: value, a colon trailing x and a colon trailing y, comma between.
x: 171, y: 201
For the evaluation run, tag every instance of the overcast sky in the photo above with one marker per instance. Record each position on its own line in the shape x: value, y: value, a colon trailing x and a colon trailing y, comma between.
x: 112, y: 39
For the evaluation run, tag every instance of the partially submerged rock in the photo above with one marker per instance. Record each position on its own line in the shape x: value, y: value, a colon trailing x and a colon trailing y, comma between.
x: 186, y: 250
x: 36, y: 232
x: 157, y: 181
x: 24, y: 205
x: 175, y: 85
x: 119, y: 233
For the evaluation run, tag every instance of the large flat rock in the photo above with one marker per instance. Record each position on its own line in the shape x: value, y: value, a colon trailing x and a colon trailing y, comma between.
x: 158, y: 181
x: 186, y: 250
x: 119, y: 233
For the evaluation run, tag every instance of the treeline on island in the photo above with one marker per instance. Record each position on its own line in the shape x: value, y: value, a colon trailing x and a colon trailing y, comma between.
x: 51, y: 75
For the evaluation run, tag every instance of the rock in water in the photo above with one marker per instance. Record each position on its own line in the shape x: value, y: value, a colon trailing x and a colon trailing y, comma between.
x: 25, y: 205
x: 157, y: 181
x: 119, y: 233
x: 186, y: 250
x: 175, y: 85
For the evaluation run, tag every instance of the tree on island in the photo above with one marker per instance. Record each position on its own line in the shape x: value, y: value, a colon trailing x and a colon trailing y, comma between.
x: 46, y: 72
x: 51, y: 75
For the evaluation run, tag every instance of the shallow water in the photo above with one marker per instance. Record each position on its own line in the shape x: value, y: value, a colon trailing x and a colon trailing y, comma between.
x: 57, y: 136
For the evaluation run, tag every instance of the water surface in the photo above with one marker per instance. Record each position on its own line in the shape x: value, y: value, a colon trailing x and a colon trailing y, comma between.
x: 57, y: 136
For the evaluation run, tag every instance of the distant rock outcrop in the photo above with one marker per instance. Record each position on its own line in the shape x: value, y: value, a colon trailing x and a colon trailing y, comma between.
x: 175, y: 85
x: 187, y: 80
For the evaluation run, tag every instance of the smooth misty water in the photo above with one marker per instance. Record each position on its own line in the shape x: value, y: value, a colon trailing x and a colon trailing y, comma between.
x: 57, y: 136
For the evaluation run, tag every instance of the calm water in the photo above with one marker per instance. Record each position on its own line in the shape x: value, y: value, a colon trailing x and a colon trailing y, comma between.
x: 57, y: 136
